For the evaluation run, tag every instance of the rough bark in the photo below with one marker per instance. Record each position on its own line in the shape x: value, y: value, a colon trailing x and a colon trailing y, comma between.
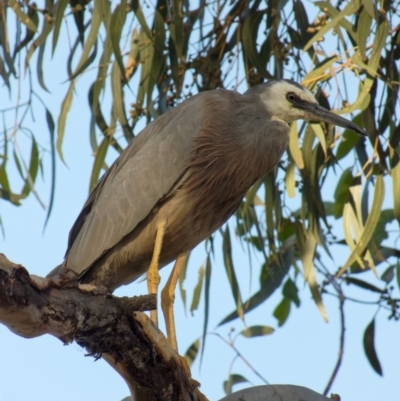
x: 106, y: 326
x: 114, y: 329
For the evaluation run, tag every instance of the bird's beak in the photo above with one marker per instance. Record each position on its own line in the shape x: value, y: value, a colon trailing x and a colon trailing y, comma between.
x: 318, y: 113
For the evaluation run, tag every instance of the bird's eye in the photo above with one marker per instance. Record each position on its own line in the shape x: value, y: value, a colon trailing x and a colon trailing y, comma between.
x: 291, y: 97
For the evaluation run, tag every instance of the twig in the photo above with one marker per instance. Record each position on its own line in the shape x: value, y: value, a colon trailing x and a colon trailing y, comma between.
x: 341, y: 343
x: 239, y: 355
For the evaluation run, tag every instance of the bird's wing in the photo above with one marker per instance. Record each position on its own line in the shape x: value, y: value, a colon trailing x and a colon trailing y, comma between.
x: 143, y: 175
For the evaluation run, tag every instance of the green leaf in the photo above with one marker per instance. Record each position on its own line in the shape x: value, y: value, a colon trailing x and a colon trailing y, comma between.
x: 182, y: 278
x: 398, y: 274
x: 232, y: 380
x: 98, y: 164
x: 256, y: 331
x: 369, y: 6
x: 40, y: 40
x: 282, y: 311
x: 139, y: 15
x: 87, y: 59
x: 388, y: 275
x: 294, y: 147
x: 197, y: 290
x: 316, y: 127
x: 363, y: 32
x: 230, y: 271
x: 115, y: 30
x: 395, y: 173
x: 191, y: 352
x: 272, y: 281
x: 349, y: 9
x: 58, y: 18
x: 51, y: 127
x: 342, y: 193
x: 206, y: 305
x: 157, y: 60
x: 33, y: 169
x: 176, y: 27
x: 290, y: 179
x: 249, y: 41
x: 369, y: 347
x: 319, y: 72
x: 349, y: 140
x: 363, y: 284
x: 39, y: 67
x: 307, y: 244
x: 380, y: 233
x: 363, y: 99
x: 118, y: 94
x: 24, y: 18
x: 290, y: 291
x: 379, y: 42
x: 301, y: 16
x: 62, y: 118
x: 370, y: 224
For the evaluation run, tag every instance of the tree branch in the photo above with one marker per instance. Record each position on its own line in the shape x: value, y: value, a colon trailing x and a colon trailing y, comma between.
x: 106, y: 326
x: 113, y: 329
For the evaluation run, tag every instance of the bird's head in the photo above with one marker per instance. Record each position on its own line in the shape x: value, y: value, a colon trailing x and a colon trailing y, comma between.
x: 286, y: 100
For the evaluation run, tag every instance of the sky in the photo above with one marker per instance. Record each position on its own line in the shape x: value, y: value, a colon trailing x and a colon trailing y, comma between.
x: 302, y: 352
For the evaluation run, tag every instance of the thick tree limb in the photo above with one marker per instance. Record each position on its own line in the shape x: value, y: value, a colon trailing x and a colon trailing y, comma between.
x: 106, y: 326
x: 114, y: 329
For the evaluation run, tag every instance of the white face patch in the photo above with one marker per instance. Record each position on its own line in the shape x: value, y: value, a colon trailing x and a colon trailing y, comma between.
x: 279, y: 107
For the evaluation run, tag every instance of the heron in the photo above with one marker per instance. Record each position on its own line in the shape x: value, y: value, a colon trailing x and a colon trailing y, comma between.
x: 179, y: 180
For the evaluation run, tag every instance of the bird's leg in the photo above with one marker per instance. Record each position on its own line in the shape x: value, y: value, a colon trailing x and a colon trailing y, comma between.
x: 153, y: 275
x: 168, y: 297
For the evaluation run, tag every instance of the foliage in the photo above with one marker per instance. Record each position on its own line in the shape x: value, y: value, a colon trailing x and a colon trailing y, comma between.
x: 153, y: 58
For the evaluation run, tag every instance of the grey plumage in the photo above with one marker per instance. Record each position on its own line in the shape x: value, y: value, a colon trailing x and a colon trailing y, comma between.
x: 190, y: 168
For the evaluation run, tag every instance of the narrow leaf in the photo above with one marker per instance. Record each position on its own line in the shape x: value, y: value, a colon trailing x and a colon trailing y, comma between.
x: 182, y: 278
x: 290, y: 291
x: 191, y: 352
x: 59, y: 15
x: 290, y: 179
x: 65, y: 106
x: 256, y: 331
x: 369, y: 348
x: 388, y: 275
x: 370, y: 224
x: 363, y: 284
x: 307, y: 244
x: 294, y: 146
x: 230, y: 271
x: 395, y: 173
x: 363, y: 31
x: 273, y: 280
x: 316, y: 127
x: 282, y: 311
x: 197, y: 290
x: 99, y: 161
x: 51, y: 127
x: 115, y: 30
x: 349, y: 9
x: 22, y: 16
x: 232, y: 380
x: 206, y: 305
x: 117, y: 93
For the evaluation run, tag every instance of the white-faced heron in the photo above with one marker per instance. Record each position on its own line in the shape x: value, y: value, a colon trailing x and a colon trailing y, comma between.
x: 180, y: 179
